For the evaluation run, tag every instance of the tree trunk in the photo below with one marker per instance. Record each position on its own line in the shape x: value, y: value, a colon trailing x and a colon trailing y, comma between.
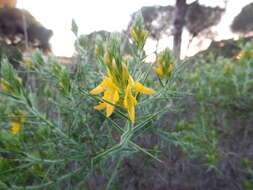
x: 180, y: 12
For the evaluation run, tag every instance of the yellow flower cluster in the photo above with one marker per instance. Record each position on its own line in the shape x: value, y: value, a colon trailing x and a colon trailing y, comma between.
x: 119, y: 87
x: 4, y: 85
x: 27, y: 61
x: 7, y: 87
x: 165, y: 63
x: 228, y: 68
x: 15, y: 128
x: 16, y: 124
x: 139, y: 35
x: 246, y: 54
x: 163, y: 69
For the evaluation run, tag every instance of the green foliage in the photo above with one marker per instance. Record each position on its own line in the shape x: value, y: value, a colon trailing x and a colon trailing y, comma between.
x: 222, y: 89
x: 226, y: 83
x: 13, y: 54
x: 62, y: 139
x: 61, y: 142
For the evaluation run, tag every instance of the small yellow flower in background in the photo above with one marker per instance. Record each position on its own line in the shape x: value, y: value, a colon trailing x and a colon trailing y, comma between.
x: 27, y: 61
x: 15, y: 128
x: 22, y: 120
x: 133, y: 33
x: 138, y: 33
x: 165, y: 64
x: 244, y: 54
x: 5, y: 86
x: 228, y: 68
x: 61, y: 86
x: 18, y: 79
x: 10, y: 87
x: 17, y: 122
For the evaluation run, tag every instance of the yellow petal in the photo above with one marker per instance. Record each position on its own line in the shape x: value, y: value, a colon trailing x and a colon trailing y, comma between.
x: 126, y: 98
x: 170, y: 68
x: 97, y: 90
x: 114, y: 66
x: 144, y: 34
x: 110, y: 84
x: 101, y: 87
x: 109, y: 109
x: 4, y: 87
x: 61, y: 85
x: 115, y: 97
x: 19, y: 80
x: 15, y: 128
x: 27, y: 61
x: 133, y: 33
x: 159, y: 61
x: 131, y: 112
x: 129, y: 103
x: 109, y: 96
x: 125, y: 74
x: 112, y: 96
x: 159, y: 71
x: 22, y: 120
x: 107, y: 60
x: 142, y: 89
x: 100, y: 106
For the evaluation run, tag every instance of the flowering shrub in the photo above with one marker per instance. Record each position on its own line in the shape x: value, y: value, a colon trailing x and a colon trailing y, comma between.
x: 51, y: 137
x: 222, y: 91
x: 119, y: 86
x: 49, y: 130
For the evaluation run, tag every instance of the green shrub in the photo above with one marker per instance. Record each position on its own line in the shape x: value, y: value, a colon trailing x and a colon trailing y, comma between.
x: 51, y: 137
x: 50, y: 134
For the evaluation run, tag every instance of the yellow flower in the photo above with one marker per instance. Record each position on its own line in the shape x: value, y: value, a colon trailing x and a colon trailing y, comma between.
x: 9, y: 86
x: 130, y: 100
x: 165, y: 64
x: 18, y: 79
x: 125, y: 74
x: 133, y: 33
x: 130, y: 103
x: 159, y: 71
x: 228, y: 68
x: 27, y: 61
x: 163, y: 71
x: 118, y: 86
x: 15, y: 127
x: 61, y: 85
x: 17, y: 121
x: 107, y: 60
x: 139, y: 35
x: 5, y: 86
x: 111, y: 94
x: 22, y: 120
x: 244, y: 54
x: 144, y: 35
x: 170, y: 68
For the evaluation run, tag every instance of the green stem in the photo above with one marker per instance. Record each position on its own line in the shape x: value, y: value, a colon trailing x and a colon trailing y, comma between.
x: 14, y: 187
x: 114, y: 173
